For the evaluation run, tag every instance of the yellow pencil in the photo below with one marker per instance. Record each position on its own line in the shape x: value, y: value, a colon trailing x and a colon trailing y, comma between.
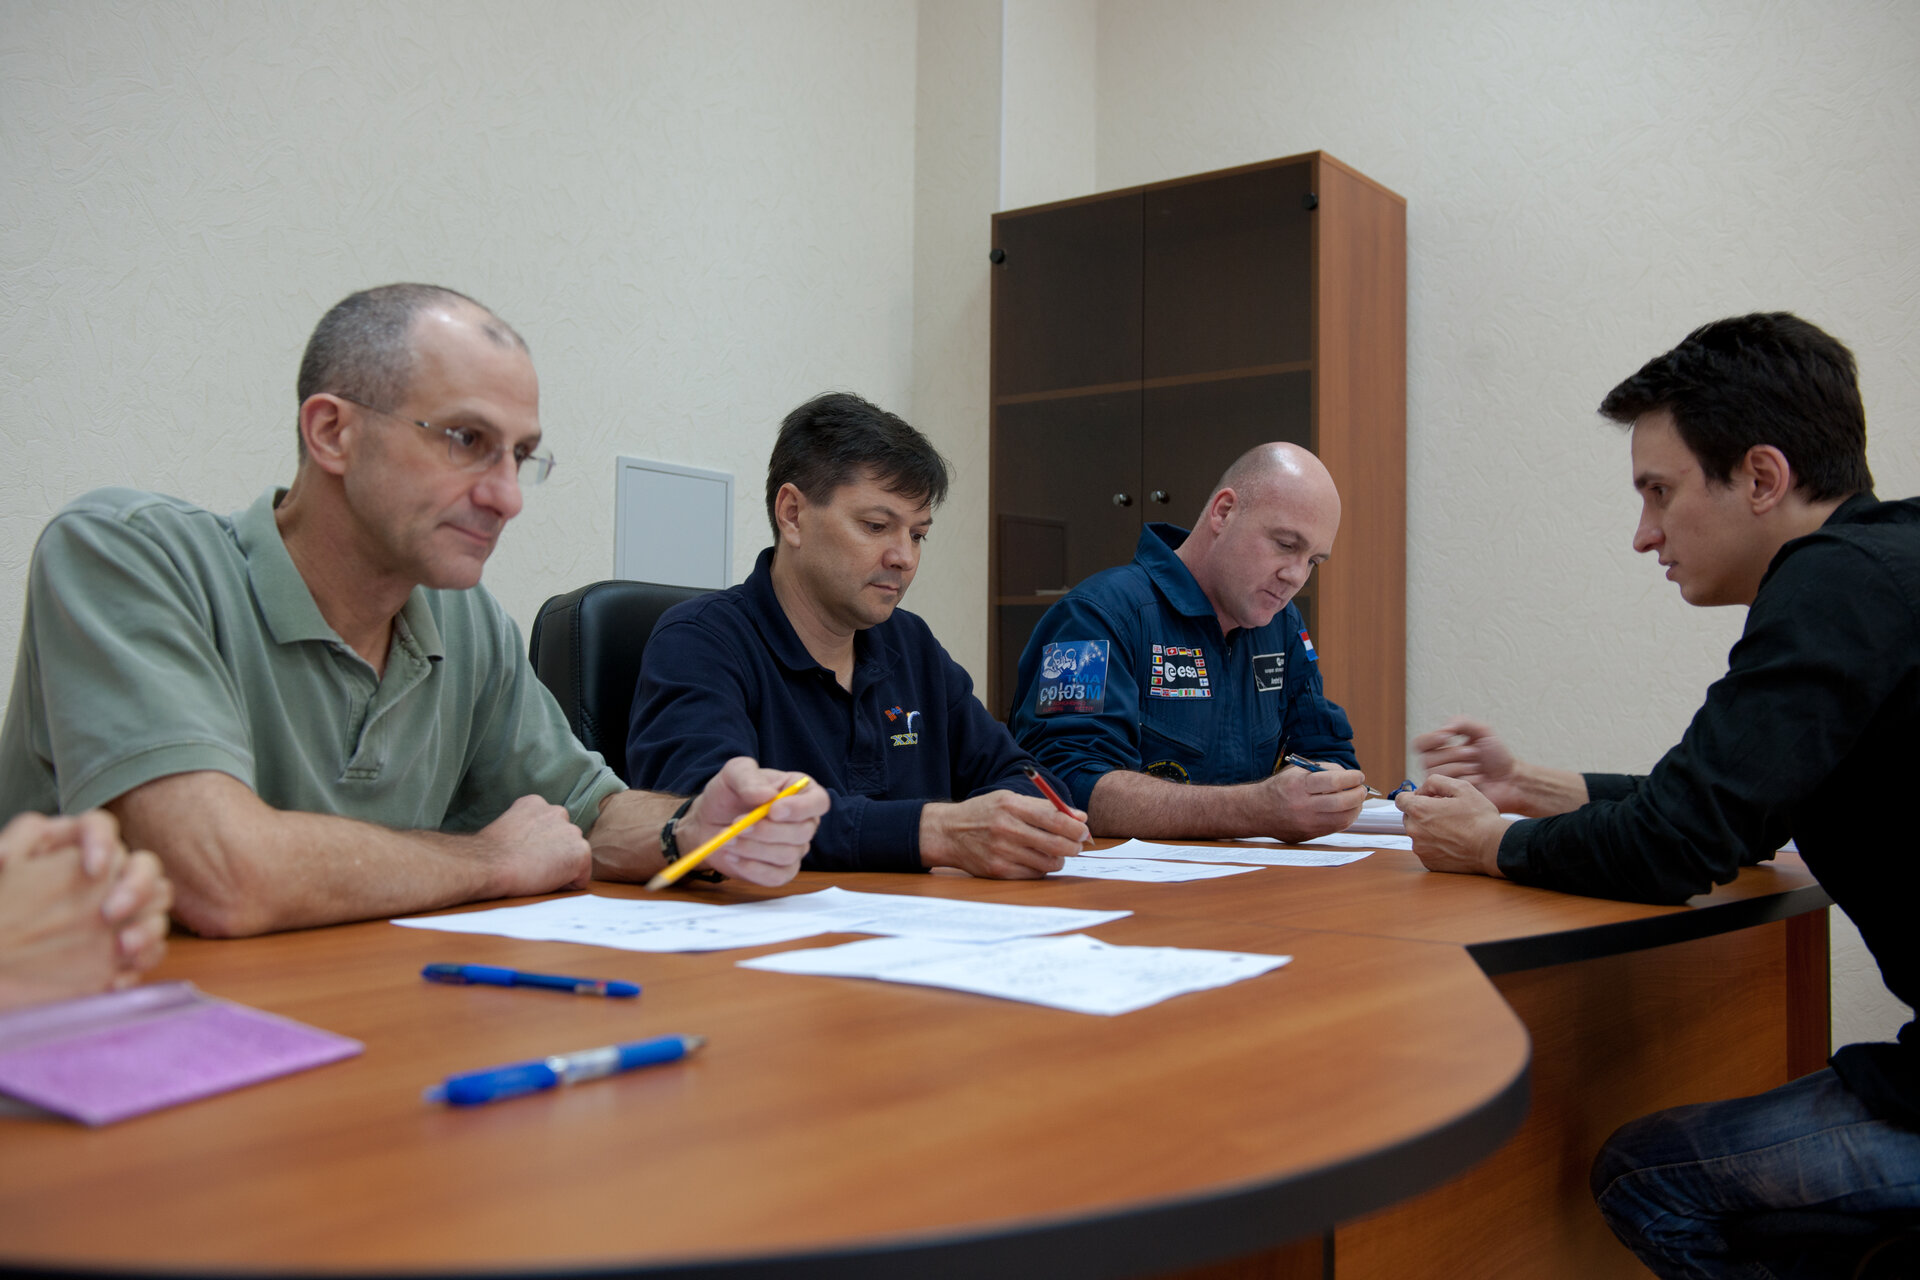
x: 674, y: 870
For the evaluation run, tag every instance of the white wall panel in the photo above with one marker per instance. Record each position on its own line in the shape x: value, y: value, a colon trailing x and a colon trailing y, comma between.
x: 698, y: 215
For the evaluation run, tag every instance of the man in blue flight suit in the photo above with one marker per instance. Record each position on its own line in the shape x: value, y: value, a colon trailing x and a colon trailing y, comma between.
x: 1167, y: 692
x: 812, y: 662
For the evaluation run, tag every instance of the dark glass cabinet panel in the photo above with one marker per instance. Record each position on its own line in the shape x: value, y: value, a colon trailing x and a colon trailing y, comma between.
x: 1058, y: 466
x: 1192, y: 431
x: 1066, y: 297
x: 1227, y: 266
x: 1013, y: 627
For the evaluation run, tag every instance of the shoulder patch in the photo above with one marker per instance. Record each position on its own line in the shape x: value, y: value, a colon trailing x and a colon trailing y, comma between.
x: 1073, y: 678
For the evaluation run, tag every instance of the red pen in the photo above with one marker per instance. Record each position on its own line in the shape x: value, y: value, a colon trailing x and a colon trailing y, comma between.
x: 1033, y: 776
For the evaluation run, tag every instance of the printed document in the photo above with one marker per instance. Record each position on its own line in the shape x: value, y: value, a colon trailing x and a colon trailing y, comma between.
x: 669, y: 924
x: 1379, y: 816
x: 1342, y: 840
x: 1266, y: 856
x: 1144, y: 869
x: 1075, y: 973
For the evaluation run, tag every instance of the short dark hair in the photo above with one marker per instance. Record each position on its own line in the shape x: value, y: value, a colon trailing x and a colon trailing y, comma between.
x: 1768, y: 378
x: 831, y: 439
x: 362, y: 348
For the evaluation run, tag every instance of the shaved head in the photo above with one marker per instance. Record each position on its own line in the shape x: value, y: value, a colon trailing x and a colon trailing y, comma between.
x: 1268, y: 523
x: 1279, y: 472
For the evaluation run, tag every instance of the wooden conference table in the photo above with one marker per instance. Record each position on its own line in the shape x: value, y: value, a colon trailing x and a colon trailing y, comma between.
x: 844, y: 1128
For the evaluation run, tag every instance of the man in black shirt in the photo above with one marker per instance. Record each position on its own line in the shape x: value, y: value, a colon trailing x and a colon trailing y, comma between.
x: 1749, y: 453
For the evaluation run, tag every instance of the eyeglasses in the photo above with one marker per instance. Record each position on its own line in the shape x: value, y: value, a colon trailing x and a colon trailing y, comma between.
x: 471, y: 449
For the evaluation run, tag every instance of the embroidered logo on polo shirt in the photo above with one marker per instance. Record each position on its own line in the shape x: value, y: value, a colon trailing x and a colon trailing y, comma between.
x: 1073, y: 678
x: 1179, y: 672
x: 909, y: 738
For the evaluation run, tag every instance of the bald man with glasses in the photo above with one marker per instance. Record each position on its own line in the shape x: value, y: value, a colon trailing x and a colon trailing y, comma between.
x: 311, y: 710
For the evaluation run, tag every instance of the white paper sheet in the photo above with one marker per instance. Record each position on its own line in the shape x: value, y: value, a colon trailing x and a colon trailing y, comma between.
x: 1343, y: 840
x: 1384, y: 817
x: 1149, y: 870
x: 1269, y: 856
x: 628, y: 924
x: 1380, y: 816
x: 666, y: 924
x: 1076, y: 973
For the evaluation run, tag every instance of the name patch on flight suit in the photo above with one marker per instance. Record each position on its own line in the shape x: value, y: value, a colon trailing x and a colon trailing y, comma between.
x: 1179, y: 672
x: 1269, y: 671
x: 1073, y: 678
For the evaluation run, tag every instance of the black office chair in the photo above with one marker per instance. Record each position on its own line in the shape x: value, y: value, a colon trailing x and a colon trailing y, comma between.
x: 586, y: 648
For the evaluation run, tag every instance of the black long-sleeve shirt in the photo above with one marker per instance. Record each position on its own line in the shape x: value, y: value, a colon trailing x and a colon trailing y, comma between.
x: 1813, y: 734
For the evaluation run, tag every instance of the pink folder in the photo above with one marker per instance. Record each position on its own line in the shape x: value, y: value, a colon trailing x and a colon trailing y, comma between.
x: 103, y: 1058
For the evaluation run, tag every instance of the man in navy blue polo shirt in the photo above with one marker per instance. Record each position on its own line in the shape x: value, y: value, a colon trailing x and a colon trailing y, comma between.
x: 1168, y: 692
x: 811, y: 661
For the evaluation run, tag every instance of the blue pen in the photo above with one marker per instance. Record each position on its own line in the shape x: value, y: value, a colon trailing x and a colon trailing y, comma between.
x: 488, y: 975
x: 515, y: 1078
x: 1314, y: 766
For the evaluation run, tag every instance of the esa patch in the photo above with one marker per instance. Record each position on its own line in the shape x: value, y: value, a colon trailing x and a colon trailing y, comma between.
x: 1073, y: 678
x: 1179, y: 672
x: 1269, y: 672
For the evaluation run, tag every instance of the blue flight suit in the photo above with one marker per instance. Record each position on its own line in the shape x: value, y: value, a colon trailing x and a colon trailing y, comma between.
x: 1129, y: 670
x: 726, y: 675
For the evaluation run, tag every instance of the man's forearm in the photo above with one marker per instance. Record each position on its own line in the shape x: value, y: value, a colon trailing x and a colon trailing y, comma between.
x: 626, y: 836
x: 1124, y: 803
x: 1542, y: 792
x: 241, y: 867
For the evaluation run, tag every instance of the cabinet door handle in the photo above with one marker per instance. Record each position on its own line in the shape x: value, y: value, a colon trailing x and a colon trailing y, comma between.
x: 1160, y: 496
x: 1122, y: 499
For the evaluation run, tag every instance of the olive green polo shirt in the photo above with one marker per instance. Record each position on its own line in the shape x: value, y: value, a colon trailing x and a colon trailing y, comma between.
x: 160, y: 638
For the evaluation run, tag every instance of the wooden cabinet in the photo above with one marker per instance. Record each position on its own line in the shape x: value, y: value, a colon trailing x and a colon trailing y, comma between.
x: 1143, y: 339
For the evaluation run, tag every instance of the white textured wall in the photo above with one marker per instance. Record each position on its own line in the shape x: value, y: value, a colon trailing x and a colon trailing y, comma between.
x: 1584, y: 184
x: 698, y: 215
x: 957, y: 179
x: 1048, y: 100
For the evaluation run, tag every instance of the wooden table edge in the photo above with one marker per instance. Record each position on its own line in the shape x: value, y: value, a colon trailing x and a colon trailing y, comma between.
x: 1537, y: 951
x: 1130, y: 1240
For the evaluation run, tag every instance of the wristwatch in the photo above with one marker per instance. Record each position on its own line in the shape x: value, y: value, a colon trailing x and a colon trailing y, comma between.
x: 670, y: 845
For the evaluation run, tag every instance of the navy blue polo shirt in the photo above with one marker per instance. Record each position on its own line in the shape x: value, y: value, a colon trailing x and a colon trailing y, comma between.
x: 1129, y: 670
x: 726, y: 675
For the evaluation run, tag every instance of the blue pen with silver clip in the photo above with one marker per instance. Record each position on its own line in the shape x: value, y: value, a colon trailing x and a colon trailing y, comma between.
x: 512, y: 1079
x: 1314, y: 766
x: 489, y: 975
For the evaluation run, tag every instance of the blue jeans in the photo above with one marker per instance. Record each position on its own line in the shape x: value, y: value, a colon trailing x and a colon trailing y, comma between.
x: 1796, y: 1183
